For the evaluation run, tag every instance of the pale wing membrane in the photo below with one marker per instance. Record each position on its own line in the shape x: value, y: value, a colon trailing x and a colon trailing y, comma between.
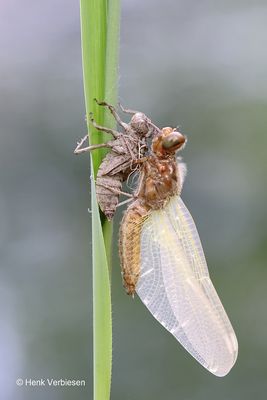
x: 175, y: 286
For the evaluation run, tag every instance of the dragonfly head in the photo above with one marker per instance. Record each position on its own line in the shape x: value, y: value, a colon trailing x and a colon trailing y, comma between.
x: 168, y: 142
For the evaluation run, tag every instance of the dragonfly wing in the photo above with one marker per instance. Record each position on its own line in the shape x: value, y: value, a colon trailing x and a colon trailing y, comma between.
x: 175, y: 286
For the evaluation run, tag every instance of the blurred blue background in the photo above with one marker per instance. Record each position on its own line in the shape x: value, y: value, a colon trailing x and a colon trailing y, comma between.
x: 199, y: 65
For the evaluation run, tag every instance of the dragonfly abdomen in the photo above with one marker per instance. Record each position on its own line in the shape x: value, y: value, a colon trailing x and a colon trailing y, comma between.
x: 129, y: 245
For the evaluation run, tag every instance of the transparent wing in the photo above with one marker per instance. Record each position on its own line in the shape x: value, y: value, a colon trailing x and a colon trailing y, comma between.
x: 175, y: 286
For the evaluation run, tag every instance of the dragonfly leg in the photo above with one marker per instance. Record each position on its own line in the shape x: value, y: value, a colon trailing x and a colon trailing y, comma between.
x: 79, y: 149
x: 127, y: 110
x: 116, y: 191
x: 124, y: 202
x: 113, y: 112
x: 114, y: 133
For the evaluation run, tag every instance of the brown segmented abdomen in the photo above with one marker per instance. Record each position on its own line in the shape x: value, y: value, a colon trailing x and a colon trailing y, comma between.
x: 106, y: 187
x: 114, y: 163
x: 113, y: 170
x: 129, y: 245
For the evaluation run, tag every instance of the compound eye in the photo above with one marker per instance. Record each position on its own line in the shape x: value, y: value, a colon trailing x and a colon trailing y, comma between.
x: 173, y: 141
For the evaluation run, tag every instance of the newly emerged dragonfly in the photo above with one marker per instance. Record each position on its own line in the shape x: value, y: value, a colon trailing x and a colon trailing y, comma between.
x: 163, y: 262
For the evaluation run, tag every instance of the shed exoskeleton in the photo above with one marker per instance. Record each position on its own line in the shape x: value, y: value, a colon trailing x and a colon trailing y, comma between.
x: 125, y: 148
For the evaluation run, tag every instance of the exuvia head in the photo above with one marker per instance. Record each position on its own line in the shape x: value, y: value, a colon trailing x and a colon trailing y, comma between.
x: 142, y: 124
x: 168, y: 142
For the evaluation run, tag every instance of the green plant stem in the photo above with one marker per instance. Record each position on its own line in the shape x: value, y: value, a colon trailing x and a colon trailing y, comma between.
x: 99, y: 37
x: 111, y: 94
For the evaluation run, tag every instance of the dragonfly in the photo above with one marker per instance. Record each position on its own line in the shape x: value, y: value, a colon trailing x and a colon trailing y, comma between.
x: 162, y: 259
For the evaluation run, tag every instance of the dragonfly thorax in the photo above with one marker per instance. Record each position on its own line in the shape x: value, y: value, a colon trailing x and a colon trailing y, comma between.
x: 160, y: 182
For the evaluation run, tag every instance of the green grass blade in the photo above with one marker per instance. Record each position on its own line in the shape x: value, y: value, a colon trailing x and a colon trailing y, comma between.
x: 99, y: 35
x: 111, y: 89
x: 101, y: 309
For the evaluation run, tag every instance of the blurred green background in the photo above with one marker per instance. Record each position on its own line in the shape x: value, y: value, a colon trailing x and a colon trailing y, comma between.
x: 200, y: 65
